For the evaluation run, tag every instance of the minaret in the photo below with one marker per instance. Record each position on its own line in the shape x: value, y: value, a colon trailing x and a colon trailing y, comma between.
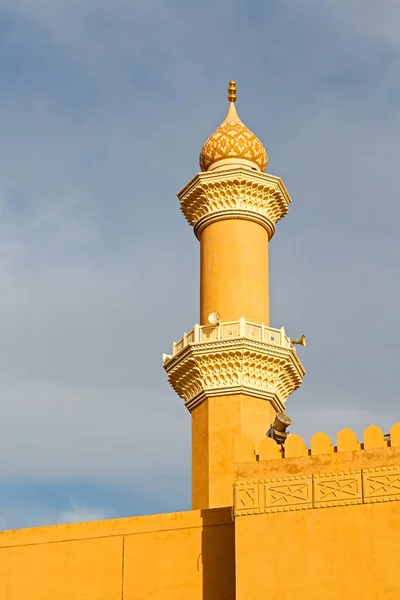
x: 233, y: 371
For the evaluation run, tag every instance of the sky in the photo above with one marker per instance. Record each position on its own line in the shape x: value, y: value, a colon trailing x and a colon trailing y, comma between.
x: 104, y: 107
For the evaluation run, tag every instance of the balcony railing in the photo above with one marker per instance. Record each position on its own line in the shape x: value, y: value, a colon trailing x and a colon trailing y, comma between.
x: 232, y: 330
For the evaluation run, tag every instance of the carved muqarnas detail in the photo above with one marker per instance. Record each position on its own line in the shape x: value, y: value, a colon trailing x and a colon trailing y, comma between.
x: 236, y: 191
x: 238, y: 366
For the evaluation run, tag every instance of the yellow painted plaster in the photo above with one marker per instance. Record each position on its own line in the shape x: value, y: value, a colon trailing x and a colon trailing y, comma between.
x: 339, y: 553
x: 215, y: 424
x: 322, y: 524
x: 234, y: 271
x: 168, y: 557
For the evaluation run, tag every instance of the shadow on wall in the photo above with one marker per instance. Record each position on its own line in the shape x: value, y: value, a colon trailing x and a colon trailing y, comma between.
x: 217, y: 559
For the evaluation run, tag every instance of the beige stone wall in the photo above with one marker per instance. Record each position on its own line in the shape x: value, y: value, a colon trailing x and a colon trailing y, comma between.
x: 168, y: 557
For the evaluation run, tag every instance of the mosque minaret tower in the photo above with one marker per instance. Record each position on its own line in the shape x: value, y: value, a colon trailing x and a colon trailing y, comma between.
x: 233, y: 371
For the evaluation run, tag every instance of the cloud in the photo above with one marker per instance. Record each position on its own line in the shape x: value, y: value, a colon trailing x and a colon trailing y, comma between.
x: 78, y: 513
x: 40, y: 515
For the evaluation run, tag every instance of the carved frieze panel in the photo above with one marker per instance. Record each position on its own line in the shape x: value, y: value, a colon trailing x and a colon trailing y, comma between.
x: 287, y: 493
x: 381, y: 484
x: 342, y: 488
x: 337, y: 489
x: 246, y: 497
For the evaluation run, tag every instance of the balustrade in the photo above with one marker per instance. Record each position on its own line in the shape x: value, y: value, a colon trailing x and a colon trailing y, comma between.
x: 232, y: 330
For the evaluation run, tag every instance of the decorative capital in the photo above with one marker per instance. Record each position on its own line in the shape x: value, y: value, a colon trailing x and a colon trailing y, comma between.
x: 235, y: 193
x: 234, y: 358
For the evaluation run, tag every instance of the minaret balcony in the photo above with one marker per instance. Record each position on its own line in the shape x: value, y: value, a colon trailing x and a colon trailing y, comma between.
x: 236, y: 357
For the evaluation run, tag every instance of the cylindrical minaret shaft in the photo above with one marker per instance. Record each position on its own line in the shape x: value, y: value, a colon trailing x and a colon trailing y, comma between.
x: 234, y: 271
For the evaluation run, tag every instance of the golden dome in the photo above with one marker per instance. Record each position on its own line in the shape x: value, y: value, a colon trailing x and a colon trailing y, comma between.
x: 233, y: 143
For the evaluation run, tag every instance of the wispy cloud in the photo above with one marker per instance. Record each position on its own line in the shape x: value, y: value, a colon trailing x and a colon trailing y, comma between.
x: 77, y: 513
x: 37, y: 515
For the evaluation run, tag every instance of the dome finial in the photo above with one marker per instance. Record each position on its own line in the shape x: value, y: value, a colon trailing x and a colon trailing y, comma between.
x: 232, y: 144
x: 232, y: 91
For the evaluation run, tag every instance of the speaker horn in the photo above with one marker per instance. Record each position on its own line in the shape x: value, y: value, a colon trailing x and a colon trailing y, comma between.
x: 301, y: 341
x: 277, y: 431
x: 214, y: 318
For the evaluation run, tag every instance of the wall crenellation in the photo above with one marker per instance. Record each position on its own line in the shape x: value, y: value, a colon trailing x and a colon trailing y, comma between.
x: 346, y: 441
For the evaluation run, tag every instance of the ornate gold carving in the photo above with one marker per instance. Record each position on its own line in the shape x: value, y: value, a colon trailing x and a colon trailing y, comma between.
x: 288, y: 493
x: 381, y: 484
x: 246, y: 498
x: 337, y: 489
x: 238, y: 193
x: 232, y: 139
x: 319, y: 490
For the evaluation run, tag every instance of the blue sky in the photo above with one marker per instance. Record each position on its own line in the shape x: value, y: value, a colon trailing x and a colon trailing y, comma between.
x: 104, y: 107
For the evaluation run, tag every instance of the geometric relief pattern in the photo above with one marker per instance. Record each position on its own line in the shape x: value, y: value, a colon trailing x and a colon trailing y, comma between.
x: 288, y: 493
x: 381, y: 484
x: 233, y: 139
x: 338, y: 489
x: 246, y: 498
